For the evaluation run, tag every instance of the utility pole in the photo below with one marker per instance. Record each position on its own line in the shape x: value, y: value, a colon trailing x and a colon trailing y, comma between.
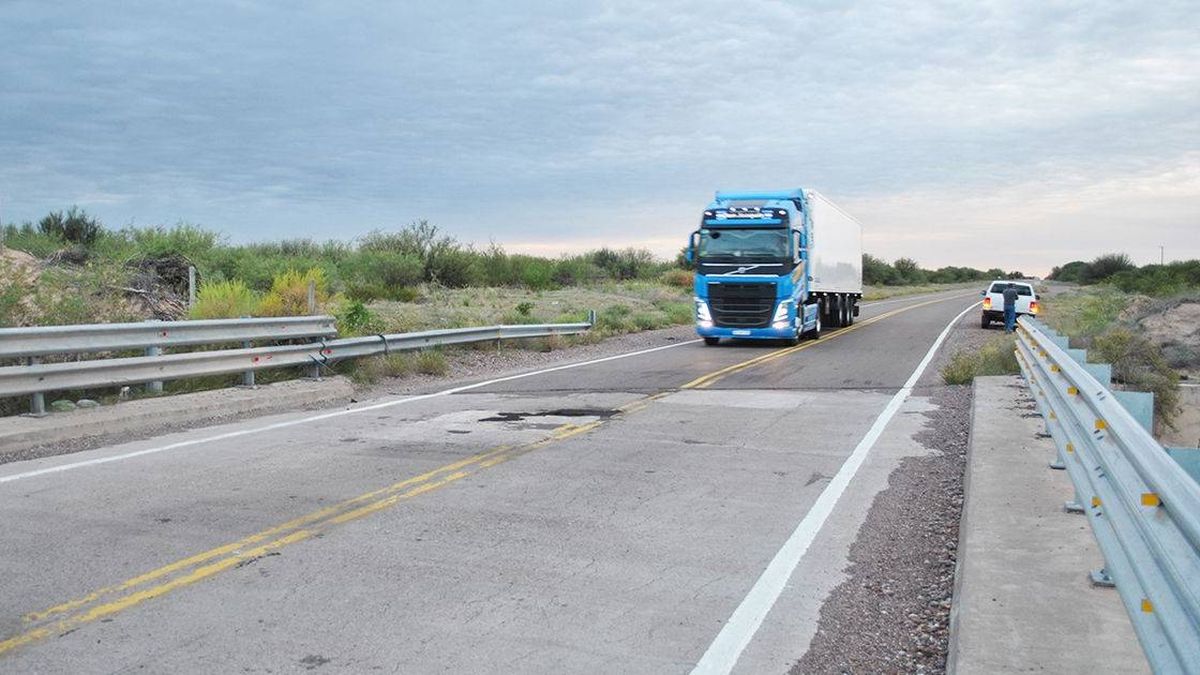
x: 1162, y: 255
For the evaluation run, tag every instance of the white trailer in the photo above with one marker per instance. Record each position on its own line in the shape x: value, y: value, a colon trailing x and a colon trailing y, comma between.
x: 835, y: 245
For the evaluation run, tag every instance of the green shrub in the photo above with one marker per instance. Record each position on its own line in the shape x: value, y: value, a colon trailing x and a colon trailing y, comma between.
x: 1139, y: 365
x: 30, y: 240
x: 353, y: 318
x: 995, y: 357
x: 678, y: 278
x: 630, y: 263
x: 614, y: 319
x: 76, y: 226
x: 289, y: 293
x: 382, y: 275
x: 191, y: 241
x: 576, y: 270
x: 454, y: 267
x: 524, y: 308
x: 537, y: 273
x: 224, y: 300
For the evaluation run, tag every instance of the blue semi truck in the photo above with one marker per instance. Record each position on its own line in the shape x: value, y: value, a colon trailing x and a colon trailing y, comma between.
x: 775, y: 265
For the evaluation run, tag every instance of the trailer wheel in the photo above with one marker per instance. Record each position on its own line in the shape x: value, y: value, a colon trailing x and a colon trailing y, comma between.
x: 711, y: 341
x: 847, y: 310
x: 986, y: 321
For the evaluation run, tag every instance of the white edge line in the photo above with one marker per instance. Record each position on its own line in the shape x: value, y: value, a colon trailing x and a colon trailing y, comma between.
x: 329, y: 415
x: 325, y: 416
x: 723, y: 654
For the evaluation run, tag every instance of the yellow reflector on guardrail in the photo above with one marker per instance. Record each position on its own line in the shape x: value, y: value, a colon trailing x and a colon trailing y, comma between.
x: 1151, y: 499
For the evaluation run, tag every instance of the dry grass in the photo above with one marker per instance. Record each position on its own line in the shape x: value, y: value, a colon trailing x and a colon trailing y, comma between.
x: 629, y: 305
x: 995, y: 357
x: 871, y: 293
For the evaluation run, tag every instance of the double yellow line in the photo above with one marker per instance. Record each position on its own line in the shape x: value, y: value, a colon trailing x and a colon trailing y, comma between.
x: 110, y: 600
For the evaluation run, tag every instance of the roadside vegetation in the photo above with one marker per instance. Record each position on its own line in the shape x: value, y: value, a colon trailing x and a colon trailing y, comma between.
x: 69, y: 268
x: 1145, y: 321
x: 1138, y: 335
x: 1118, y: 271
x: 997, y: 356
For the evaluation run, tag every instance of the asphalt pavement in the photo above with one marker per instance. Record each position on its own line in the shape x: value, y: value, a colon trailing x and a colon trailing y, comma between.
x: 675, y: 507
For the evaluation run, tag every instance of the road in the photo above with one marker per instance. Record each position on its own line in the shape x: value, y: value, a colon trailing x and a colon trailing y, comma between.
x: 677, y: 507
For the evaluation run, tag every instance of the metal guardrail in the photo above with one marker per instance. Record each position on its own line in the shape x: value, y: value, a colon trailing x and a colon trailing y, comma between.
x: 38, y: 378
x: 1143, y: 507
x: 104, y: 337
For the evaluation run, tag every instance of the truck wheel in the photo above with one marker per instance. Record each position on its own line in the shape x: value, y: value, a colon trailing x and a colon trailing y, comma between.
x: 833, y: 318
x: 986, y: 321
x: 710, y: 341
x: 849, y: 312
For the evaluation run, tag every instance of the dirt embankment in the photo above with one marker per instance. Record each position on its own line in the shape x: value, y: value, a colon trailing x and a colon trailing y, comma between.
x: 19, y: 272
x: 1174, y: 326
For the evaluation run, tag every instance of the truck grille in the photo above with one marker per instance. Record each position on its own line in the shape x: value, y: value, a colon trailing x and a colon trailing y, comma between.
x: 741, y: 305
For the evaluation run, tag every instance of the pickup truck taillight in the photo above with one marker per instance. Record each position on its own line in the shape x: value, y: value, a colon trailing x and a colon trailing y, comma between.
x: 1033, y: 307
x: 987, y: 303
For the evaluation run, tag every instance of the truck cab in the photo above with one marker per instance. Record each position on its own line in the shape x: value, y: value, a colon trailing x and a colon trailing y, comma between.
x: 750, y: 255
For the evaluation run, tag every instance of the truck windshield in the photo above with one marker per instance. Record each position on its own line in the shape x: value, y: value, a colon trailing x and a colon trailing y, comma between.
x: 744, y: 244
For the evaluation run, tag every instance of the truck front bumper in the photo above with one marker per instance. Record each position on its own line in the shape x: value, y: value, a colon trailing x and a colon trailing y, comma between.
x: 746, y: 333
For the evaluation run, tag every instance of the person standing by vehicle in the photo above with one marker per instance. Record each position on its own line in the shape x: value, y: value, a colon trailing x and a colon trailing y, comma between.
x: 1010, y: 308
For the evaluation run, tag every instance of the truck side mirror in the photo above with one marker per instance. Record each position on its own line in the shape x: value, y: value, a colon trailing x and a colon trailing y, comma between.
x: 797, y: 246
x: 693, y: 247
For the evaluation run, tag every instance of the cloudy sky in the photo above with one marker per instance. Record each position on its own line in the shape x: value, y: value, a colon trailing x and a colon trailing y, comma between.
x: 1013, y: 134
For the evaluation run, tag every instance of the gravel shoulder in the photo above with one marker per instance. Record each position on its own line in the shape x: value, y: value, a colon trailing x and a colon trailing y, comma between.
x: 892, y: 613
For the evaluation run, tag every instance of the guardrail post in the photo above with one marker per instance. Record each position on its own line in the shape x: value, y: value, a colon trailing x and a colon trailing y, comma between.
x: 157, y: 386
x: 312, y: 297
x: 314, y: 369
x: 37, y: 402
x: 248, y: 375
x: 1101, y: 579
x: 191, y: 286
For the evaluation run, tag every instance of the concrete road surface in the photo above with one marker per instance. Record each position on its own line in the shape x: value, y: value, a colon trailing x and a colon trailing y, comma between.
x: 679, y: 508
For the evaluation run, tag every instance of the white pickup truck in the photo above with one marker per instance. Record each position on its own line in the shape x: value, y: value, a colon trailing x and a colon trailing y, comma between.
x: 993, y: 301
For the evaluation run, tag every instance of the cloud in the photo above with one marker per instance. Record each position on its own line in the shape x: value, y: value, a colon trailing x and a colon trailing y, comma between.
x: 533, y: 122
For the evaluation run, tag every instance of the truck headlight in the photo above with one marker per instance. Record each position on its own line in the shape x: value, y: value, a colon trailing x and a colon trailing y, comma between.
x: 703, y: 316
x: 781, y: 319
